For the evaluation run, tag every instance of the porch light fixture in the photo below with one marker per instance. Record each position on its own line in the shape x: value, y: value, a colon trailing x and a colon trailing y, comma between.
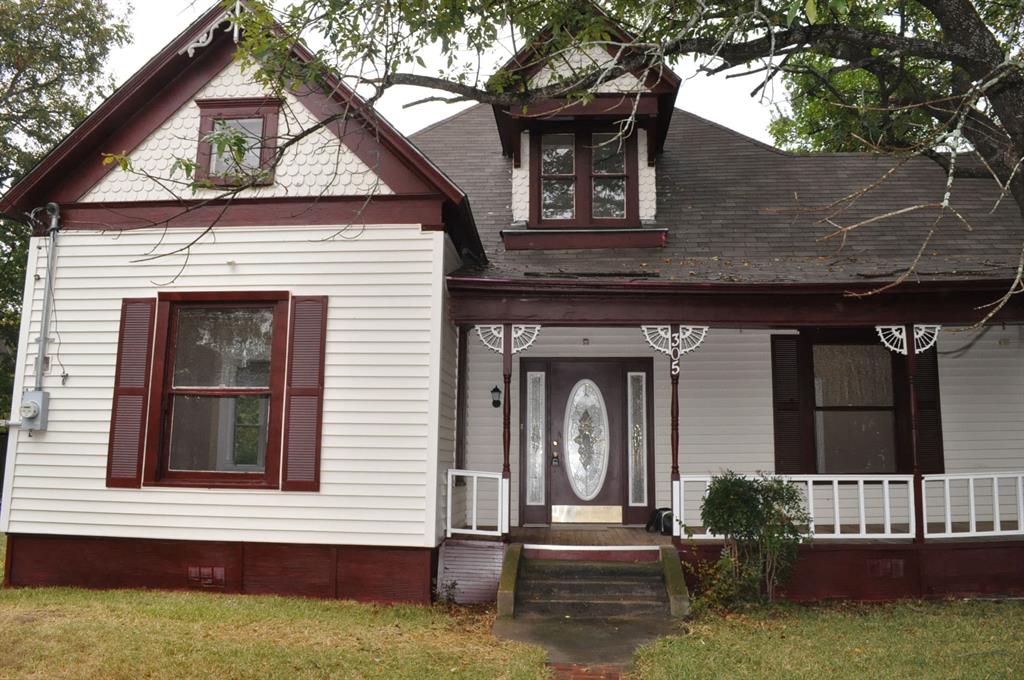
x: 496, y: 397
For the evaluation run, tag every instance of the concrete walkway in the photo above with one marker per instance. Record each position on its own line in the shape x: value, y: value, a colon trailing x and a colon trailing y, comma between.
x: 586, y: 641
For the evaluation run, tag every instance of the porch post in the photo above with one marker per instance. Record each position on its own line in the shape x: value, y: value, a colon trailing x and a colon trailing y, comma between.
x: 675, y: 426
x: 919, y: 518
x: 506, y: 422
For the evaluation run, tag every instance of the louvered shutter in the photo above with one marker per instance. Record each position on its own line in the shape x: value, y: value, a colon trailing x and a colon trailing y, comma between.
x: 788, y: 406
x: 131, y: 392
x: 305, y: 394
x: 929, y: 420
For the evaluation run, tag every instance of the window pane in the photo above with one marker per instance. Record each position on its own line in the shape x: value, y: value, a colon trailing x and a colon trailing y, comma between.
x: 223, y: 347
x: 558, y: 199
x: 226, y: 163
x: 609, y: 157
x: 558, y: 155
x: 609, y: 197
x: 852, y: 375
x: 537, y: 437
x: 586, y: 439
x: 855, y: 442
x: 219, y: 434
x: 637, y: 439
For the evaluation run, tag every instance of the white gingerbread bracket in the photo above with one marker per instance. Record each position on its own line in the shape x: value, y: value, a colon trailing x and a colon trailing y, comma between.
x: 895, y: 337
x: 685, y: 340
x: 206, y: 37
x: 522, y: 337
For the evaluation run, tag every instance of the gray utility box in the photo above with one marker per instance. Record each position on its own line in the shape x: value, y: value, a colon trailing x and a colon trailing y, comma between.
x: 35, y: 408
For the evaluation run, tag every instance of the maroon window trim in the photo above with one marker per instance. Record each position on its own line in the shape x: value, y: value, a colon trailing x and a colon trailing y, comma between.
x: 584, y: 177
x: 157, y: 472
x: 792, y: 366
x: 212, y: 110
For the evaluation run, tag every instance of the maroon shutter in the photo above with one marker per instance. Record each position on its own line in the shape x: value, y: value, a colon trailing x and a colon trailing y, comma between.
x: 304, y: 398
x: 929, y: 421
x: 789, y: 413
x: 131, y: 392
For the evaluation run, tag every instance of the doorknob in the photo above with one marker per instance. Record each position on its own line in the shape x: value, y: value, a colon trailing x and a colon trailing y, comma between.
x: 554, y: 459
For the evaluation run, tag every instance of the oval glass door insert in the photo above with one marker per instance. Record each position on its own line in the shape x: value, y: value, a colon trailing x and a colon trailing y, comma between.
x: 586, y: 439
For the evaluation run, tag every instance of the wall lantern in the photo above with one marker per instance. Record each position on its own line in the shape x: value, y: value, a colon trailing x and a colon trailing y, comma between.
x: 496, y: 397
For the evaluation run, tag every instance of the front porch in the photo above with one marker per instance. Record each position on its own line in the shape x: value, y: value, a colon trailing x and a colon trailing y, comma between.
x: 950, y: 474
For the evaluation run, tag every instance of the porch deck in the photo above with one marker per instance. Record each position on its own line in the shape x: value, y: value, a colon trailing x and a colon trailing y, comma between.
x: 587, y: 534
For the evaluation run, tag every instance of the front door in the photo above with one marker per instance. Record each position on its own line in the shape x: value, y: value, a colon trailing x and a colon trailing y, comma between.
x: 586, y: 453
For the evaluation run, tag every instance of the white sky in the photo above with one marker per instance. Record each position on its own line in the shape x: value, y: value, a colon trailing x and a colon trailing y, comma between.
x: 725, y: 101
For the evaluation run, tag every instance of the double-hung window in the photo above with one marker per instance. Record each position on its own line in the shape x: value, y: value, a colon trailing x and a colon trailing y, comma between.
x: 583, y: 179
x: 219, y: 389
x: 223, y: 390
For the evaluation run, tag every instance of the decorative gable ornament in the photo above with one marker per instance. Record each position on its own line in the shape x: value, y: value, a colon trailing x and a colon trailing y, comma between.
x: 895, y: 337
x: 522, y: 337
x: 206, y: 37
x: 685, y: 340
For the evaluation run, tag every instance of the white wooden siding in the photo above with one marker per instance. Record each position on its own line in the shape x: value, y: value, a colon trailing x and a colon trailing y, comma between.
x: 447, y: 341
x: 381, y: 428
x: 981, y: 378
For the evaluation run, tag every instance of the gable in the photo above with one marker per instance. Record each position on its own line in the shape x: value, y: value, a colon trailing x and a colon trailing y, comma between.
x: 320, y: 164
x: 582, y: 61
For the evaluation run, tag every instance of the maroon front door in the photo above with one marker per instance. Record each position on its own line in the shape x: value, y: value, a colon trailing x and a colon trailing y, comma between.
x: 578, y: 463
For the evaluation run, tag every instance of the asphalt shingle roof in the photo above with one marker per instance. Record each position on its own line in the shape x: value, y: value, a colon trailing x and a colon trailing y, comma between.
x: 741, y: 211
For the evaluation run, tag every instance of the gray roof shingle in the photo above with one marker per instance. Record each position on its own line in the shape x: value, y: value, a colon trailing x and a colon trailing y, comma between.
x: 741, y: 211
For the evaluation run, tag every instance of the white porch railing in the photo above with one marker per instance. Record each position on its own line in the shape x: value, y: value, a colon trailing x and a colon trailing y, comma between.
x: 840, y: 506
x: 962, y: 505
x: 473, y: 503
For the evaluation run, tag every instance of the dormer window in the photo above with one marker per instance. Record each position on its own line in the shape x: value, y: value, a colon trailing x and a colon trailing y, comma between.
x: 256, y: 121
x: 583, y: 179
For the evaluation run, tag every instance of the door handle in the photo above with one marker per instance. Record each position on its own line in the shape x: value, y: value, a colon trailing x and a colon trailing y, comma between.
x: 554, y: 453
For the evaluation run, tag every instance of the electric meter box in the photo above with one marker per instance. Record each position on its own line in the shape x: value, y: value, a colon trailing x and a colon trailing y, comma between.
x: 35, y: 407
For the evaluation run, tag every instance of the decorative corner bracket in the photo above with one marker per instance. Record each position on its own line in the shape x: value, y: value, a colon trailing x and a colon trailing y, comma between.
x: 675, y: 344
x: 895, y: 337
x: 206, y: 37
x: 522, y: 337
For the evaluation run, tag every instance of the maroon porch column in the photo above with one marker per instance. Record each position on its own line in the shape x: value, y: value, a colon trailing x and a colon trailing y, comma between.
x: 675, y: 426
x: 506, y: 407
x: 919, y: 518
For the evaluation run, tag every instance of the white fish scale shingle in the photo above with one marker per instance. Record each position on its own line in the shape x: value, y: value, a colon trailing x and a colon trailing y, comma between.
x: 317, y: 165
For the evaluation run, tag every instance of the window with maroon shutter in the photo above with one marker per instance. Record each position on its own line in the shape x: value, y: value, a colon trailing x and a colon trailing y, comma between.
x: 131, y: 391
x: 841, y: 406
x: 304, y: 406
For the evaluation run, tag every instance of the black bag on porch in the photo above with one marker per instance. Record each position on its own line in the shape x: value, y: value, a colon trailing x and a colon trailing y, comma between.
x: 660, y: 522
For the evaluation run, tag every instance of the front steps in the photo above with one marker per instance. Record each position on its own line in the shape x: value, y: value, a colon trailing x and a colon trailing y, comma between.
x: 590, y: 589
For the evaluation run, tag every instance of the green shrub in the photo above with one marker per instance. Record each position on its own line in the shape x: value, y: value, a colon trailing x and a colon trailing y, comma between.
x: 760, y: 520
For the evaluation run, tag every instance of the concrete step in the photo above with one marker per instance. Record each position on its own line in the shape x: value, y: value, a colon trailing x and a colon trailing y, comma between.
x: 591, y: 588
x: 580, y: 570
x: 619, y: 608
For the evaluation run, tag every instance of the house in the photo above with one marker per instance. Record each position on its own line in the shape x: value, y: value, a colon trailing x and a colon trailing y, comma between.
x: 512, y: 328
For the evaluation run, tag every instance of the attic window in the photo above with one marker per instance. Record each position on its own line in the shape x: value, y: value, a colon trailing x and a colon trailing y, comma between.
x: 583, y: 179
x: 256, y: 121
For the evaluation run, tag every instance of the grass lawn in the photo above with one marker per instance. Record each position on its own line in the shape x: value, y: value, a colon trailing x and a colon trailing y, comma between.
x: 955, y: 639
x: 56, y: 633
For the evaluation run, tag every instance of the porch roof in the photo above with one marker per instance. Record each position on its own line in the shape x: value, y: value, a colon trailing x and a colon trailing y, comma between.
x: 741, y: 212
